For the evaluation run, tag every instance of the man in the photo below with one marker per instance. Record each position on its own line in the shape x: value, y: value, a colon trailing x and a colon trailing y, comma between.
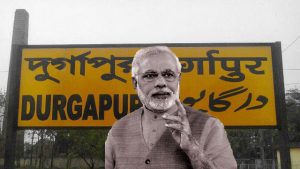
x: 164, y: 134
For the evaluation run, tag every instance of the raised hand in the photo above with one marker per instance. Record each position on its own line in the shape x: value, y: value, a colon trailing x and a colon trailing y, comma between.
x: 179, y: 126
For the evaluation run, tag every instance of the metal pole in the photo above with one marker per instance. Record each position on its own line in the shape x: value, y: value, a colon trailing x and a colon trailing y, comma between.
x: 20, y: 37
x: 284, y: 144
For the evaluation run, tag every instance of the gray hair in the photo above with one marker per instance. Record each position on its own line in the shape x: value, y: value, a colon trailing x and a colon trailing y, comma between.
x: 150, y: 51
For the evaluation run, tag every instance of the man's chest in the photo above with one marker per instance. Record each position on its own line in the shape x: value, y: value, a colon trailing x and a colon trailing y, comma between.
x: 152, y: 132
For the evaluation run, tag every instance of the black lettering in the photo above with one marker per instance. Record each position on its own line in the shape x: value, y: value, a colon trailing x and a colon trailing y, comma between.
x: 235, y: 74
x: 211, y: 60
x: 27, y: 99
x: 44, y: 63
x: 135, y: 102
x: 59, y: 103
x: 82, y: 59
x: 252, y: 68
x: 78, y: 108
x: 117, y: 114
x: 187, y: 65
x: 192, y: 101
x: 43, y: 115
x: 90, y: 108
x: 112, y: 75
x: 105, y: 102
x: 218, y: 104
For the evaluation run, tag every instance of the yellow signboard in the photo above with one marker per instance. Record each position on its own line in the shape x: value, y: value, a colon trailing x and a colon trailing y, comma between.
x: 91, y: 86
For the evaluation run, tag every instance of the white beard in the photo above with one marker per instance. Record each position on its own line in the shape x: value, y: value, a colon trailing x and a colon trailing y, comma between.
x: 154, y: 104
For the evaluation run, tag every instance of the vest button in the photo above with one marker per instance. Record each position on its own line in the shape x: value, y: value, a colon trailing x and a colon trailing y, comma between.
x: 147, y: 161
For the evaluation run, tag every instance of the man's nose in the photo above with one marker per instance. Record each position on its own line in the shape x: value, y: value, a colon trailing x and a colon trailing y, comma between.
x: 160, y: 82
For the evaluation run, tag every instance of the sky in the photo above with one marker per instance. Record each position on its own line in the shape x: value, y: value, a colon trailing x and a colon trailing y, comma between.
x: 157, y: 21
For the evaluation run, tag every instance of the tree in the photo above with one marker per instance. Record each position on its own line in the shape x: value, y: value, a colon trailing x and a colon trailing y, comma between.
x: 88, y: 145
x: 2, y: 107
x: 52, y: 135
x: 293, y: 114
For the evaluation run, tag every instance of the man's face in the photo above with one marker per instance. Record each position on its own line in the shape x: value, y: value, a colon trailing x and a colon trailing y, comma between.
x: 158, y: 82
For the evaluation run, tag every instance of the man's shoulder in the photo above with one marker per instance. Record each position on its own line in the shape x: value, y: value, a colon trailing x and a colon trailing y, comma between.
x: 129, y: 122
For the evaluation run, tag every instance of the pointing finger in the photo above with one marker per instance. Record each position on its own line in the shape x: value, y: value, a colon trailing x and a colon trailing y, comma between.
x: 181, y: 109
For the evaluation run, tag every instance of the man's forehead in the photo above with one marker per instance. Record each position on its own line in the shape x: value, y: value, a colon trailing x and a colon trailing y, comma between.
x: 159, y: 62
x: 155, y: 71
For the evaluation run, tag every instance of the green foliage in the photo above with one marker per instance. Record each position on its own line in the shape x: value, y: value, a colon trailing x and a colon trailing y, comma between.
x: 246, y: 143
x: 1, y: 146
x: 293, y: 114
x: 2, y: 106
x: 88, y: 144
x: 2, y: 98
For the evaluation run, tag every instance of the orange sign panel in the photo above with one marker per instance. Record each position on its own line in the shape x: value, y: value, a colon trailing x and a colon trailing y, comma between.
x: 91, y: 86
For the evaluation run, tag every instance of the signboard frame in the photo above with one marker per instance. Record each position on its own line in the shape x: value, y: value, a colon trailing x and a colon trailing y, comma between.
x: 276, y: 64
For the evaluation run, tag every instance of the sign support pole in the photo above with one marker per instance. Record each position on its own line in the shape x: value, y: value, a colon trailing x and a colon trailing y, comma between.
x: 20, y: 37
x: 284, y: 145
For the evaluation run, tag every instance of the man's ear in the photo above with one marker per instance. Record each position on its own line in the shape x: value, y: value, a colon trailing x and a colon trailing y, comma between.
x: 134, y: 82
